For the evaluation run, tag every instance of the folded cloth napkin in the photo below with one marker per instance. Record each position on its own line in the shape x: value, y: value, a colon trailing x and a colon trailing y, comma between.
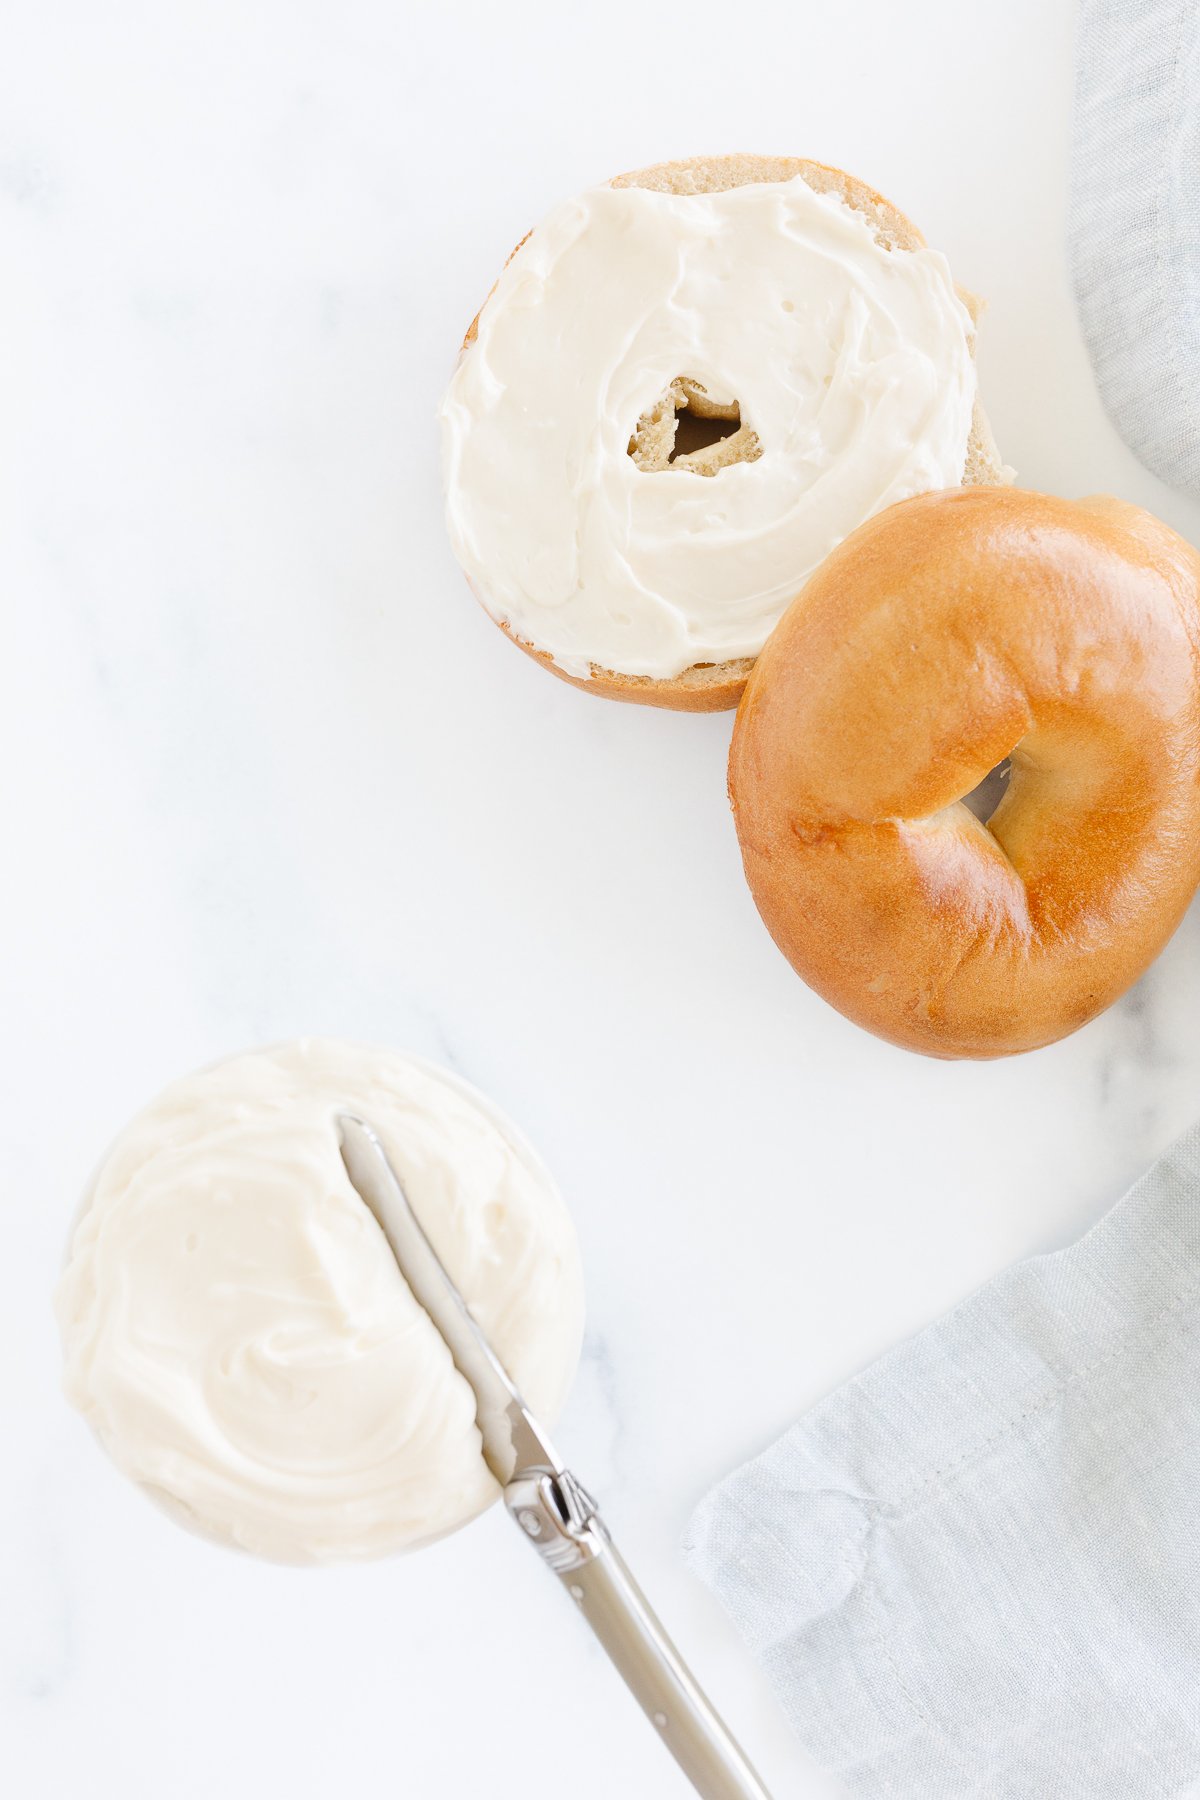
x: 1134, y: 232
x: 975, y: 1570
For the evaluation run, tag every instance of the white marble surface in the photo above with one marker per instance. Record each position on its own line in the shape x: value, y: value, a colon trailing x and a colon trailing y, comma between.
x: 268, y: 770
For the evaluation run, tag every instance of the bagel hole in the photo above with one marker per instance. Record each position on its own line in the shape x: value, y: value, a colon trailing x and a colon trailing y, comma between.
x: 688, y: 429
x: 693, y: 433
x: 984, y: 799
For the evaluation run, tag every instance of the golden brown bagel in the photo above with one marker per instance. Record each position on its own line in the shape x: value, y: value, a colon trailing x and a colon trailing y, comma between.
x: 715, y: 687
x: 946, y: 634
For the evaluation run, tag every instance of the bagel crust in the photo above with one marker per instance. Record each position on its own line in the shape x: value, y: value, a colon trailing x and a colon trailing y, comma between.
x: 718, y: 687
x: 949, y: 633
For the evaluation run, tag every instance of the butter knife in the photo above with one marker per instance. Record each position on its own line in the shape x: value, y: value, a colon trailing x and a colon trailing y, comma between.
x: 553, y: 1509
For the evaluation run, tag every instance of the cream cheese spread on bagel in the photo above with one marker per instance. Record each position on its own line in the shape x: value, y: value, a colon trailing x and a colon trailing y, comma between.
x: 850, y: 364
x: 239, y: 1335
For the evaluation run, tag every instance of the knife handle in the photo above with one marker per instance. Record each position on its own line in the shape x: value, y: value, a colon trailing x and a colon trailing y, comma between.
x: 594, y: 1573
x: 611, y: 1601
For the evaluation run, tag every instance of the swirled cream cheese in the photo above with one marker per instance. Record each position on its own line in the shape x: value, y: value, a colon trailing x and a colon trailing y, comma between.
x: 237, y: 1331
x: 852, y: 364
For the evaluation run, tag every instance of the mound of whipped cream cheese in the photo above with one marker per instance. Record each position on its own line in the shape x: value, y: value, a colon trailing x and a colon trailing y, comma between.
x: 237, y: 1332
x: 851, y: 363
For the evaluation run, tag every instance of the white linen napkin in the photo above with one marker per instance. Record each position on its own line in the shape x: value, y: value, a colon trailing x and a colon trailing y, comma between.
x: 975, y: 1570
x: 1134, y: 232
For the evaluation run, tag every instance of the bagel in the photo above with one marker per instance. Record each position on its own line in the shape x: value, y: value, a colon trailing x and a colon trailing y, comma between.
x: 770, y: 283
x: 947, y: 635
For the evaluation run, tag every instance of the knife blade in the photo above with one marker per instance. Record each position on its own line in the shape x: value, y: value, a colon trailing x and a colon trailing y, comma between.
x: 513, y: 1442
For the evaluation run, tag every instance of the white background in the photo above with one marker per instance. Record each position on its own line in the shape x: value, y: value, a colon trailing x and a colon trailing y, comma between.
x: 267, y: 770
